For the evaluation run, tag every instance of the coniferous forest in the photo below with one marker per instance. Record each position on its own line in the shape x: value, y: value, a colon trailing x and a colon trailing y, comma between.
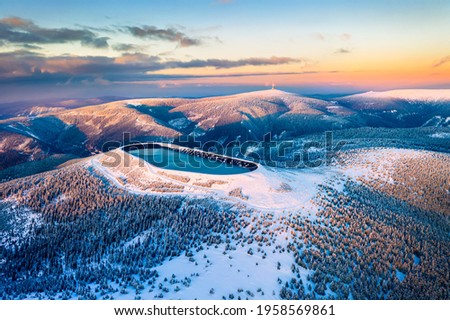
x: 71, y: 234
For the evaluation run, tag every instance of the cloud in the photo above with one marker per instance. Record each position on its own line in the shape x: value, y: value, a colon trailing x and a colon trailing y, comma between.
x: 24, y: 65
x: 18, y: 30
x: 156, y: 77
x: 16, y: 22
x: 141, y: 59
x: 125, y: 47
x: 441, y: 61
x: 169, y: 34
x: 225, y: 64
x: 30, y: 46
x: 342, y: 51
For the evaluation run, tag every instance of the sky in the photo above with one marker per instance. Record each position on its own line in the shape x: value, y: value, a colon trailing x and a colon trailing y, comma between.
x: 146, y: 48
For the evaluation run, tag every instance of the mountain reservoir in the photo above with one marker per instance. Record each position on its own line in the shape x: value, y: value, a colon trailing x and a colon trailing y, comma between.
x: 173, y: 157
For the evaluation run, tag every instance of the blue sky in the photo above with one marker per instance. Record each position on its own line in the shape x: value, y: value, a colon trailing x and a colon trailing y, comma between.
x: 141, y: 48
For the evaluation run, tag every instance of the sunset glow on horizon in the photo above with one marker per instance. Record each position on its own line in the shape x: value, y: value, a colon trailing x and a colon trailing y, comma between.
x: 180, y: 48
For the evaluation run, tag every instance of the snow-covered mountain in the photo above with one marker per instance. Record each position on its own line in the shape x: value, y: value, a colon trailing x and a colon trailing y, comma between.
x: 373, y: 226
x: 403, y: 99
x: 429, y: 95
x: 246, y: 116
x: 400, y: 108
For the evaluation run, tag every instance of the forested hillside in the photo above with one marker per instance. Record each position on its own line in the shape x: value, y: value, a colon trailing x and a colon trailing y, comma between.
x: 84, y: 231
x: 377, y: 228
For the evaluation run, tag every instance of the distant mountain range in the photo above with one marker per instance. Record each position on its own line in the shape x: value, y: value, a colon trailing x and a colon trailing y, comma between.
x: 65, y: 128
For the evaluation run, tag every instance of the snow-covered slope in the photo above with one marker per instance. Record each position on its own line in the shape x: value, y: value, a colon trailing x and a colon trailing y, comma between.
x: 129, y: 230
x: 264, y: 104
x: 110, y: 121
x: 248, y: 116
x: 264, y: 188
x: 242, y: 117
x: 400, y: 108
x: 431, y: 95
x: 16, y: 148
x: 250, y: 270
x: 407, y: 100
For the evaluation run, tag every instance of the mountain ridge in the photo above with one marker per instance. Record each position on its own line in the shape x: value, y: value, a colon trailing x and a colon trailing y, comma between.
x: 243, y: 116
